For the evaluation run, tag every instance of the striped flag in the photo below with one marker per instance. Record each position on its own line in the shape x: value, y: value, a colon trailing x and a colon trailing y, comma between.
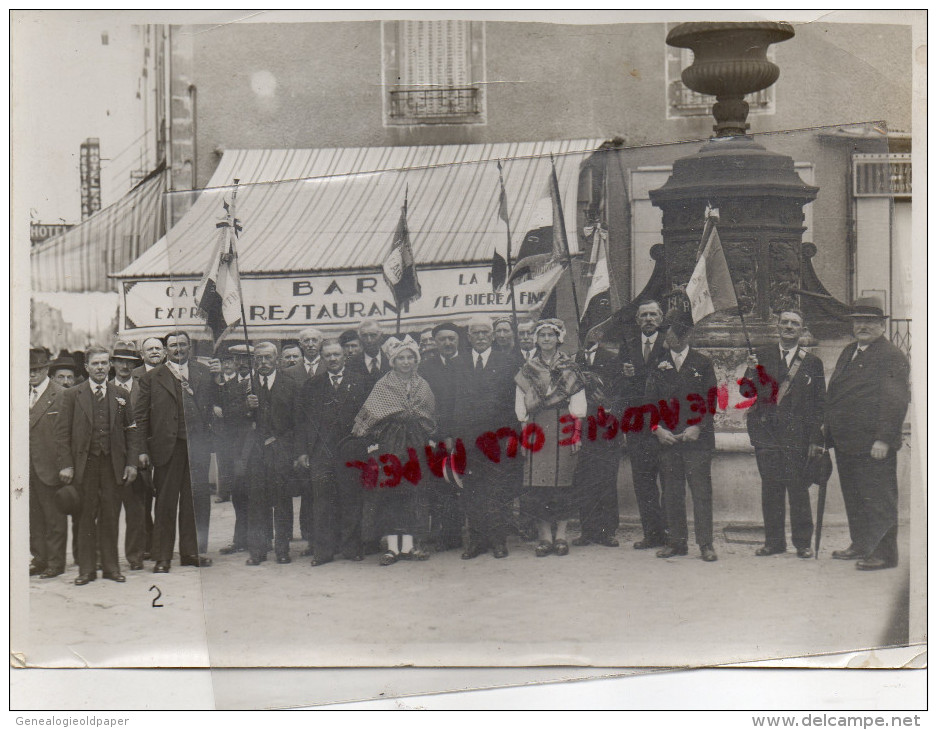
x: 399, y: 266
x: 219, y: 299
x: 499, y: 265
x: 598, y: 297
x: 710, y: 288
x: 538, y: 264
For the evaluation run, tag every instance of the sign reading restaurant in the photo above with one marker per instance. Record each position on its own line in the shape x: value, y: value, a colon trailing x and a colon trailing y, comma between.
x: 290, y: 302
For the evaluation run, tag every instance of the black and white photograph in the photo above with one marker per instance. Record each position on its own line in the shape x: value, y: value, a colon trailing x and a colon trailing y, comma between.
x: 509, y: 348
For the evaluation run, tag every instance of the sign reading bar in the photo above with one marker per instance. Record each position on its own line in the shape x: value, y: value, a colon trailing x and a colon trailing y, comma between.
x: 340, y: 300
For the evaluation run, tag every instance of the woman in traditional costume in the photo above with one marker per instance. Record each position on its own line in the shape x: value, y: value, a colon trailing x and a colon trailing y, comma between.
x: 549, y: 387
x: 397, y: 416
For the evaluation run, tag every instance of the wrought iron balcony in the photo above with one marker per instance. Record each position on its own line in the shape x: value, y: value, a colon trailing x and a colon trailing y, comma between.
x: 884, y: 175
x: 436, y: 104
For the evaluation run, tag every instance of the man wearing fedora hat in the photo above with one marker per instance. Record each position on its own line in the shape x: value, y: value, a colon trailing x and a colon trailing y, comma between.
x: 64, y: 370
x: 866, y: 403
x: 125, y: 360
x: 686, y: 447
x: 48, y: 525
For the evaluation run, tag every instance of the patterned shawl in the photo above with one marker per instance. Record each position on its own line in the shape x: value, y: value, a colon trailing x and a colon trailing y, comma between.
x: 393, y: 397
x: 549, y: 385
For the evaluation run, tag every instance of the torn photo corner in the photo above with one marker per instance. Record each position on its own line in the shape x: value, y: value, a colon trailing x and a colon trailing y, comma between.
x: 437, y: 357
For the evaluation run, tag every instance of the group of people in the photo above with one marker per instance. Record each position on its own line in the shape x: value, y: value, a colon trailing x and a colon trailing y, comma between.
x: 451, y: 437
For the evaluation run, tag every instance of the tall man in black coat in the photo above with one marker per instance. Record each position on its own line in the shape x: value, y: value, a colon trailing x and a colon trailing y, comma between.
x: 638, y: 355
x: 596, y: 476
x: 173, y: 414
x: 865, y: 409
x: 686, y: 446
x: 326, y: 411
x: 444, y: 370
x: 153, y: 350
x: 98, y: 446
x: 485, y: 402
x: 271, y: 456
x: 371, y: 361
x: 785, y: 427
x: 48, y: 525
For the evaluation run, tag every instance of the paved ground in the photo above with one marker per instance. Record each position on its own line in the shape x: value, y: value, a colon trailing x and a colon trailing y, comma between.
x: 611, y: 607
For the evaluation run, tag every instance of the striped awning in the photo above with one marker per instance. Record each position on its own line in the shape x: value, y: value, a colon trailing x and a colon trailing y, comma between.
x: 81, y: 259
x: 308, y: 210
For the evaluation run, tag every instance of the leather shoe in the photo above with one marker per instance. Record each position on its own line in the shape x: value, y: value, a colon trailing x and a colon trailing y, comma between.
x: 874, y: 564
x: 196, y: 561
x: 669, y: 551
x: 582, y: 541
x: 320, y: 561
x: 229, y: 549
x: 161, y: 566
x: 543, y: 549
x: 647, y: 544
x: 500, y: 551
x: 561, y: 547
x: 388, y: 558
x: 36, y: 570
x: 136, y: 566
x: 607, y: 541
x: 849, y: 553
x: 255, y: 561
x: 283, y: 559
x: 708, y: 554
x: 116, y: 577
x: 765, y: 551
x: 473, y: 551
x: 49, y: 573
x: 84, y: 579
x: 220, y: 500
x: 804, y: 552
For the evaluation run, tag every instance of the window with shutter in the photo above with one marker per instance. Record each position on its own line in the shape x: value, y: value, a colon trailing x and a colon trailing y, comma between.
x: 433, y: 72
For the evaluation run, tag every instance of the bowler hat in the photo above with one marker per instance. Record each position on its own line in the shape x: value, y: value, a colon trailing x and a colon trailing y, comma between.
x: 867, y: 307
x: 38, y: 357
x: 68, y: 499
x: 63, y: 362
x: 680, y: 319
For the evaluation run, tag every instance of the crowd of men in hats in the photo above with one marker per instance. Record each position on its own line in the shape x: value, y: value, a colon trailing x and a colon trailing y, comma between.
x: 343, y: 423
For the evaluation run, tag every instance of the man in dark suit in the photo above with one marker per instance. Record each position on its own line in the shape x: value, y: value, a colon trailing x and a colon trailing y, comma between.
x: 485, y: 402
x: 327, y: 407
x: 686, y: 445
x: 270, y: 457
x: 444, y: 370
x: 785, y: 427
x: 173, y: 414
x: 865, y: 409
x: 153, y: 350
x: 98, y: 445
x: 638, y: 355
x: 48, y: 525
x: 371, y: 361
x: 124, y: 358
x: 596, y: 477
x: 236, y: 423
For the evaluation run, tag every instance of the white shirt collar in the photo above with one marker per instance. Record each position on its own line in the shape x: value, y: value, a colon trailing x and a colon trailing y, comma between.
x: 41, y: 388
x: 310, y: 365
x: 339, y: 374
x: 650, y: 339
x: 485, y: 355
x: 182, y: 369
x: 528, y: 353
x: 790, y: 352
x: 368, y: 360
x: 149, y: 367
x: 271, y: 379
x: 127, y: 385
x: 679, y: 357
x: 95, y: 386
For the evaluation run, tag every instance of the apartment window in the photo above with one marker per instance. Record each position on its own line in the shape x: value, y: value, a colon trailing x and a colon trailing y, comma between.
x: 683, y: 102
x: 434, y: 72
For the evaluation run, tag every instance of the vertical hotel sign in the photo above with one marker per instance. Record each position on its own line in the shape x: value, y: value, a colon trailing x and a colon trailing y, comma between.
x: 90, y: 168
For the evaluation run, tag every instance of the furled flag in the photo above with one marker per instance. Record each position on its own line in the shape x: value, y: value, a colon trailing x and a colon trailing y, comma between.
x: 538, y: 264
x: 219, y: 298
x: 710, y: 288
x: 399, y: 267
x: 499, y: 265
x: 598, y: 298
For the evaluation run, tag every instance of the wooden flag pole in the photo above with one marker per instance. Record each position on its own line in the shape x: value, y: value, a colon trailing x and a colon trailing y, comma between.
x: 555, y: 190
x: 232, y: 223
x: 507, y: 222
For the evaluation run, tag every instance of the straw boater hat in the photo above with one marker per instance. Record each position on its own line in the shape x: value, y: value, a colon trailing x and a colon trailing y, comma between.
x: 868, y: 307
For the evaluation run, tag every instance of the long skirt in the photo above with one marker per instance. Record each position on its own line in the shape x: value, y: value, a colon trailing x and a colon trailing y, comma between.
x: 549, y: 471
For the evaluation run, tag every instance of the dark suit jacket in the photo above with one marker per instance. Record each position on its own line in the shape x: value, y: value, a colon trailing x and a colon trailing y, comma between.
x: 298, y: 371
x: 158, y: 411
x: 867, y: 398
x: 357, y: 363
x: 75, y: 426
x: 633, y: 389
x: 797, y: 419
x: 42, y: 437
x: 236, y: 422
x: 275, y: 419
x: 444, y: 381
x: 485, y: 400
x: 696, y: 376
x: 325, y: 416
x: 607, y: 368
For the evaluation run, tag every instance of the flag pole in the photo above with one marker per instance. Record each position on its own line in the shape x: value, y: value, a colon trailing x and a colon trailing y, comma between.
x: 507, y: 223
x: 562, y: 223
x: 711, y: 218
x: 406, y: 196
x: 234, y: 234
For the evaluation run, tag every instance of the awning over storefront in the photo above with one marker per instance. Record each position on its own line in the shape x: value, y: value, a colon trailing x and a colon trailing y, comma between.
x: 311, y: 217
x: 80, y: 259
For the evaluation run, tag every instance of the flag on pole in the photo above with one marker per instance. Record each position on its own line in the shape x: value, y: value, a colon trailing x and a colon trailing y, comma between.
x: 499, y: 265
x: 399, y: 266
x: 534, y: 294
x: 710, y: 288
x: 219, y: 298
x: 598, y: 297
x: 537, y: 264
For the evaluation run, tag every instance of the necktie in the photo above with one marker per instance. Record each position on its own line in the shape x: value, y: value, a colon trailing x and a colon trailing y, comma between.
x: 859, y: 351
x: 647, y: 349
x: 99, y: 392
x: 266, y: 384
x: 373, y: 366
x: 784, y: 368
x: 33, y: 396
x: 479, y: 365
x: 336, y: 381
